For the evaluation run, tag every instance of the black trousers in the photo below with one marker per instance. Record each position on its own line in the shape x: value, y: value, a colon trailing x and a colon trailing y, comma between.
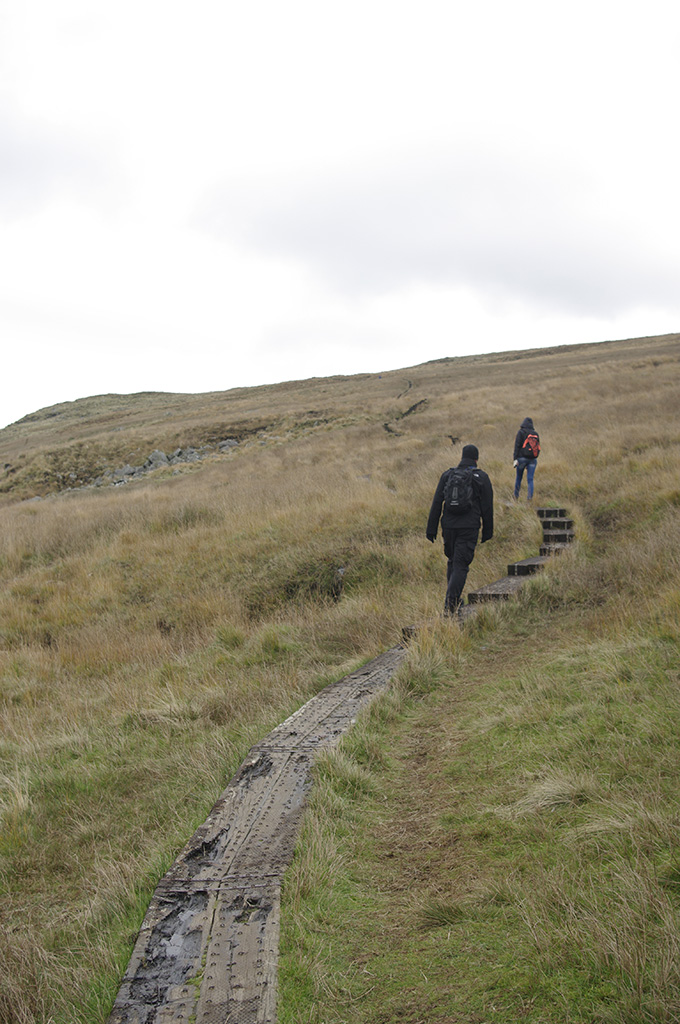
x: 459, y: 548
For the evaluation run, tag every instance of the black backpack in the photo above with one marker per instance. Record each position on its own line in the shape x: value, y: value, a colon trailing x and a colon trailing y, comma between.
x: 459, y: 491
x: 531, y: 446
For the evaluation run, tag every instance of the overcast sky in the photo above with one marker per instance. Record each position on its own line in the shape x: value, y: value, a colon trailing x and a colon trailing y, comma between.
x: 198, y: 196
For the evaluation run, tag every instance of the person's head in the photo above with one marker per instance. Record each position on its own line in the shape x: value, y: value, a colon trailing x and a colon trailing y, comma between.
x: 470, y: 451
x: 528, y: 422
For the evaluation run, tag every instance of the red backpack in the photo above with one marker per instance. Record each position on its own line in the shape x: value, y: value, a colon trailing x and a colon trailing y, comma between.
x: 531, y: 446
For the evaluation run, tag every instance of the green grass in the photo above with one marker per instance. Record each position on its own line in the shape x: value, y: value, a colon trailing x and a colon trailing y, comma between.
x: 512, y: 853
x: 150, y: 634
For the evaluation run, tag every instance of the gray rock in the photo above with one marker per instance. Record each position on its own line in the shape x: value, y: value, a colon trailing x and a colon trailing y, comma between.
x: 157, y: 458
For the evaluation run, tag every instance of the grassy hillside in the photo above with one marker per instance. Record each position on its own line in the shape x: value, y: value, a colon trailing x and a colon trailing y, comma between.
x: 150, y: 633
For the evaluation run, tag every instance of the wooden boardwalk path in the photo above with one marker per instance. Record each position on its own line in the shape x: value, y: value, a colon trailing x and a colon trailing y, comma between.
x: 207, y: 950
x: 558, y: 533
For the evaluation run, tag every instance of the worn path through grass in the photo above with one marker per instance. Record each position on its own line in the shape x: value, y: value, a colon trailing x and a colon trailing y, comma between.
x: 509, y: 850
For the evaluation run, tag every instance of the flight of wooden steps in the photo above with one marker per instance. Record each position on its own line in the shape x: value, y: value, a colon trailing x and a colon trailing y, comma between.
x: 558, y: 533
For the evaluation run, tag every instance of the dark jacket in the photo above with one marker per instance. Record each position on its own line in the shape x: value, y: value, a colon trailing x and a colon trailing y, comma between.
x: 482, y: 506
x: 522, y: 434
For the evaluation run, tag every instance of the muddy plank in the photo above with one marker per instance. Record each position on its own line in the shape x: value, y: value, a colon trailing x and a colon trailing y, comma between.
x: 207, y: 950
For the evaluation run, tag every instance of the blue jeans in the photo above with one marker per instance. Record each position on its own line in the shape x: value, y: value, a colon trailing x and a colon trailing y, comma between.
x: 530, y: 466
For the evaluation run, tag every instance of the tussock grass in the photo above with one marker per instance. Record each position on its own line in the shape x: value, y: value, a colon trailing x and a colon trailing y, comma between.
x: 149, y: 634
x: 554, y: 791
x: 540, y: 870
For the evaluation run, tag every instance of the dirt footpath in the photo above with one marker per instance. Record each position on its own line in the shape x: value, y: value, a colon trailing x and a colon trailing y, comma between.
x: 207, y: 950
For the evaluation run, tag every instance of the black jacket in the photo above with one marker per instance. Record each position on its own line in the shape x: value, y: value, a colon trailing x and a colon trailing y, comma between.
x: 482, y: 506
x: 522, y: 434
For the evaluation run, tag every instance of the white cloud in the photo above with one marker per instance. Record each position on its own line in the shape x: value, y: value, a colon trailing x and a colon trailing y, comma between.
x: 37, y: 163
x: 534, y: 230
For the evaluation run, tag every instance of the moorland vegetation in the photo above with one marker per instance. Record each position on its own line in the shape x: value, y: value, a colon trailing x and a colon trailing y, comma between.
x: 498, y: 839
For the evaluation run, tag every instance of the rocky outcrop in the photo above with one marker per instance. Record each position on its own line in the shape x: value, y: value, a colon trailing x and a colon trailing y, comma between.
x: 158, y: 459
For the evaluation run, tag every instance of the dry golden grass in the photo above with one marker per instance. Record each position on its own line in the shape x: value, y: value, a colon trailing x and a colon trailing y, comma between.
x: 150, y: 633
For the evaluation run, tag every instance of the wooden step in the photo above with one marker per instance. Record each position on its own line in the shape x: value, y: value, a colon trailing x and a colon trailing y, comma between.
x: 557, y: 524
x: 552, y: 549
x: 551, y: 513
x: 527, y: 567
x: 501, y: 590
x: 558, y: 536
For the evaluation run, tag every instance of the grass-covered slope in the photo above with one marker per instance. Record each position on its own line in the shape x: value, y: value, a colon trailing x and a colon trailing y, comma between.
x: 150, y: 633
x: 499, y: 841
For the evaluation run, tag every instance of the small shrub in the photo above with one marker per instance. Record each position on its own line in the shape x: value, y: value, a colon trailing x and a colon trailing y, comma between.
x: 291, y: 578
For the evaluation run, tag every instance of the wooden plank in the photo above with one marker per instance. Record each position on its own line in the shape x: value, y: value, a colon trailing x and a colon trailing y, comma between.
x: 207, y: 950
x: 552, y: 549
x: 527, y: 567
x: 557, y: 524
x: 558, y: 536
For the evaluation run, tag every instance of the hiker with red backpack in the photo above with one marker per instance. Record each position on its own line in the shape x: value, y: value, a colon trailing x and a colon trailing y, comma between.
x: 463, y: 497
x: 527, y: 449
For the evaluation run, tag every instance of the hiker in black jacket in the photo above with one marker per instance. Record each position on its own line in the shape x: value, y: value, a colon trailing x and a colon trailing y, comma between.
x: 464, y: 496
x: 527, y: 450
